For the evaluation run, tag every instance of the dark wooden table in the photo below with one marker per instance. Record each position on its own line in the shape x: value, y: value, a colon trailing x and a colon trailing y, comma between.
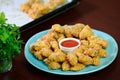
x: 102, y: 15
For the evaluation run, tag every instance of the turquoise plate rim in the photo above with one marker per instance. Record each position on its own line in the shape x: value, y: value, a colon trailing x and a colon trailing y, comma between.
x: 112, y: 50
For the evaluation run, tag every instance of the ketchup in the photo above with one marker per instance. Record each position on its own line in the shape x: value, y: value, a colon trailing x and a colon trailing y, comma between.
x: 69, y: 43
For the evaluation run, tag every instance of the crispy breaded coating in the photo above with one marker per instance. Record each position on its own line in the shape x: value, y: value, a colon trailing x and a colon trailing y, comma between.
x: 46, y: 52
x: 68, y: 32
x: 58, y: 28
x: 42, y: 44
x: 58, y: 2
x: 25, y: 7
x: 97, y: 40
x: 72, y: 59
x: 54, y: 65
x: 76, y: 29
x: 53, y: 35
x: 33, y: 1
x: 94, y: 45
x: 32, y: 48
x: 54, y: 45
x: 84, y: 42
x: 103, y: 42
x: 96, y: 61
x: 38, y: 8
x: 90, y: 51
x: 77, y: 67
x: 61, y: 36
x: 84, y: 59
x: 65, y: 66
x: 47, y: 61
x: 86, y: 32
x: 34, y: 14
x: 38, y: 55
x: 80, y: 49
x: 102, y: 53
x: 57, y: 56
x: 50, y: 6
x: 35, y: 47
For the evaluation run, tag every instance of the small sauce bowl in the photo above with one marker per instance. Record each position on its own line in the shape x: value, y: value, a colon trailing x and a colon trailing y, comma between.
x: 69, y: 44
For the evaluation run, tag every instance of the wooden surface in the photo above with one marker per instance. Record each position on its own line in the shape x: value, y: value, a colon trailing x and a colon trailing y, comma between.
x: 102, y: 15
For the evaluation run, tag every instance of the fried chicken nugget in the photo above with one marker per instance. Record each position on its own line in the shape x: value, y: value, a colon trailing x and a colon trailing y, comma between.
x: 65, y: 66
x: 61, y: 36
x: 42, y: 44
x: 72, y: 59
x: 46, y: 52
x: 54, y: 45
x: 97, y: 40
x: 38, y: 8
x: 43, y: 53
x: 53, y: 35
x: 102, y: 42
x: 92, y: 52
x: 32, y: 48
x: 84, y: 59
x: 54, y: 65
x: 38, y: 55
x: 45, y: 38
x: 47, y: 61
x: 96, y: 61
x: 94, y: 45
x: 86, y: 32
x: 84, y: 42
x: 80, y: 49
x: 50, y: 6
x: 102, y: 53
x: 92, y: 38
x: 67, y: 31
x: 77, y: 67
x: 35, y: 47
x: 57, y: 56
x: 58, y: 28
x: 25, y: 7
x: 35, y: 10
x: 76, y: 29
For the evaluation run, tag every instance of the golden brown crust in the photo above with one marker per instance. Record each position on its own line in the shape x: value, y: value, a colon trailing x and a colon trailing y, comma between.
x: 90, y: 51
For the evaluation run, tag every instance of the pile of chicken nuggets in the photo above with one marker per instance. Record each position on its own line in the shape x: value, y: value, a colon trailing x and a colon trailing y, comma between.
x: 38, y: 8
x: 91, y: 50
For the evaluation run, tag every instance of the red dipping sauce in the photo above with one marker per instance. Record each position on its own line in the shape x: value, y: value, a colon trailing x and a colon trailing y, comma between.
x: 69, y: 43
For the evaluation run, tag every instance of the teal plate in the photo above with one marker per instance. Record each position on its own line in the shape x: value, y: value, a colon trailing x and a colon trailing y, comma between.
x: 112, y: 50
